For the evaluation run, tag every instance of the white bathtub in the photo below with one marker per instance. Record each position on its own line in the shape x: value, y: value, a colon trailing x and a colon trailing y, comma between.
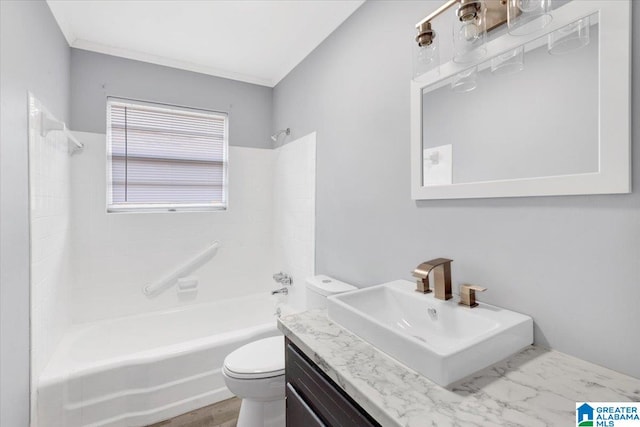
x: 137, y: 370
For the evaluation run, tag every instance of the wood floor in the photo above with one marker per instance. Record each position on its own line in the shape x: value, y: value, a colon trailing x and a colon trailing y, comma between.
x: 221, y: 414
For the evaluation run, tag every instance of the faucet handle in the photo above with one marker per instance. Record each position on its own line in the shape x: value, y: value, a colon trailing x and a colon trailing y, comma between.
x: 283, y: 278
x: 468, y: 295
x: 422, y: 285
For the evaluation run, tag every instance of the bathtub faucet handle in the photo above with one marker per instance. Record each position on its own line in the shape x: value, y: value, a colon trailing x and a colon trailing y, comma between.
x: 283, y: 278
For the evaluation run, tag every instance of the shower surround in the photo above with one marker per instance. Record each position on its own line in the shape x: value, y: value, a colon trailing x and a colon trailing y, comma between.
x: 50, y: 235
x: 116, y: 254
x: 268, y: 227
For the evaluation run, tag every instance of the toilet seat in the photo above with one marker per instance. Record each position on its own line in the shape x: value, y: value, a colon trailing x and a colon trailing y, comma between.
x: 259, y: 359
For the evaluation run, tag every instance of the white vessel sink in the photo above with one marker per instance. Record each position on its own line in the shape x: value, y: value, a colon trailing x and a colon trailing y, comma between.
x: 445, y: 345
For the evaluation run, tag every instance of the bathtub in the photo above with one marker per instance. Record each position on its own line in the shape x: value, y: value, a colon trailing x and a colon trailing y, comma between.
x: 138, y: 370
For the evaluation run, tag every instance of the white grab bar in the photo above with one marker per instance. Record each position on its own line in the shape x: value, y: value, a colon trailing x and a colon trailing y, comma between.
x: 153, y: 289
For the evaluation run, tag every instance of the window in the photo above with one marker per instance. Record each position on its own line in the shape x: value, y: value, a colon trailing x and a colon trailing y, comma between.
x: 165, y: 158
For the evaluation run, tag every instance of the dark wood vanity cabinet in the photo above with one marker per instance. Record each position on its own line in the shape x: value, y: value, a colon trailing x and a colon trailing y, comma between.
x: 313, y: 399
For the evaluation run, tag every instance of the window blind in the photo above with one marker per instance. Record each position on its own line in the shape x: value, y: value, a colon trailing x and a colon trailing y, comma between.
x: 166, y: 157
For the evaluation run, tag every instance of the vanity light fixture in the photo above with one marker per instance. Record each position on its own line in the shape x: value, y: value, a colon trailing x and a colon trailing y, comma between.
x: 426, y: 52
x: 469, y: 31
x: 474, y: 19
x: 527, y: 16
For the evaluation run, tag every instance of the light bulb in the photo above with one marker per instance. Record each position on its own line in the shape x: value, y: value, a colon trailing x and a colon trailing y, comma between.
x: 426, y: 55
x: 469, y: 31
x: 527, y: 16
x: 529, y: 5
x: 425, y: 58
x: 469, y: 35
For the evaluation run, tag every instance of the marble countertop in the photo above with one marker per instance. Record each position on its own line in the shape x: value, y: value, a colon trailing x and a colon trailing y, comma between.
x: 536, y: 387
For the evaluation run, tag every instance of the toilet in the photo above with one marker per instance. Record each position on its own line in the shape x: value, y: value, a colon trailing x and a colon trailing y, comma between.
x: 255, y: 371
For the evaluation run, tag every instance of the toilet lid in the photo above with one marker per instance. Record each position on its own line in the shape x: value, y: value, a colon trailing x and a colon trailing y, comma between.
x: 260, y: 359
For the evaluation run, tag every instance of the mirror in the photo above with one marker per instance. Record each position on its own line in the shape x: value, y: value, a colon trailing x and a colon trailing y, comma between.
x: 531, y: 119
x: 509, y: 125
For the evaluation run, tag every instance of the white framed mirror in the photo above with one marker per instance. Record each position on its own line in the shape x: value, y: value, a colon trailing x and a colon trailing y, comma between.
x: 556, y: 123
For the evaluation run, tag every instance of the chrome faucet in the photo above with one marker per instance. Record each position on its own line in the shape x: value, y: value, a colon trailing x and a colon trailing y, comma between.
x: 442, y: 271
x: 283, y: 278
x: 284, y: 291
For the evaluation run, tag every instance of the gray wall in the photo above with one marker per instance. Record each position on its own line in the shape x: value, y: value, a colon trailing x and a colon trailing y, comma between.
x: 573, y: 263
x: 34, y: 57
x: 95, y: 76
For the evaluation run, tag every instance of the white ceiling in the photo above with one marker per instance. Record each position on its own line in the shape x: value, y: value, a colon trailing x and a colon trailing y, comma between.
x: 253, y: 41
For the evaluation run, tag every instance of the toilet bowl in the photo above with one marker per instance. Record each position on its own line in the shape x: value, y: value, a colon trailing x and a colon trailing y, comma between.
x: 255, y: 371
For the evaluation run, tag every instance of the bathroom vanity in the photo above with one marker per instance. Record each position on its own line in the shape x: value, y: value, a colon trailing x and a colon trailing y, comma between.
x: 312, y: 396
x: 335, y: 378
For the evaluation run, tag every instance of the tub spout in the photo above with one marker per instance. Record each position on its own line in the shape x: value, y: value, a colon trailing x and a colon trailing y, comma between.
x: 284, y: 291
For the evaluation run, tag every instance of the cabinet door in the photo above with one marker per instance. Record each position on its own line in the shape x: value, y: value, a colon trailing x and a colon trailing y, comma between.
x: 332, y: 405
x: 298, y: 412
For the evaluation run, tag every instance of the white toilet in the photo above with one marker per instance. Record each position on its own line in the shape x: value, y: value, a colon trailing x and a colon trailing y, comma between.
x: 255, y: 371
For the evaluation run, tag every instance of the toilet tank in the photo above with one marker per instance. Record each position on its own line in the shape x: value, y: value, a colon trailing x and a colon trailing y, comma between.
x: 320, y: 287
